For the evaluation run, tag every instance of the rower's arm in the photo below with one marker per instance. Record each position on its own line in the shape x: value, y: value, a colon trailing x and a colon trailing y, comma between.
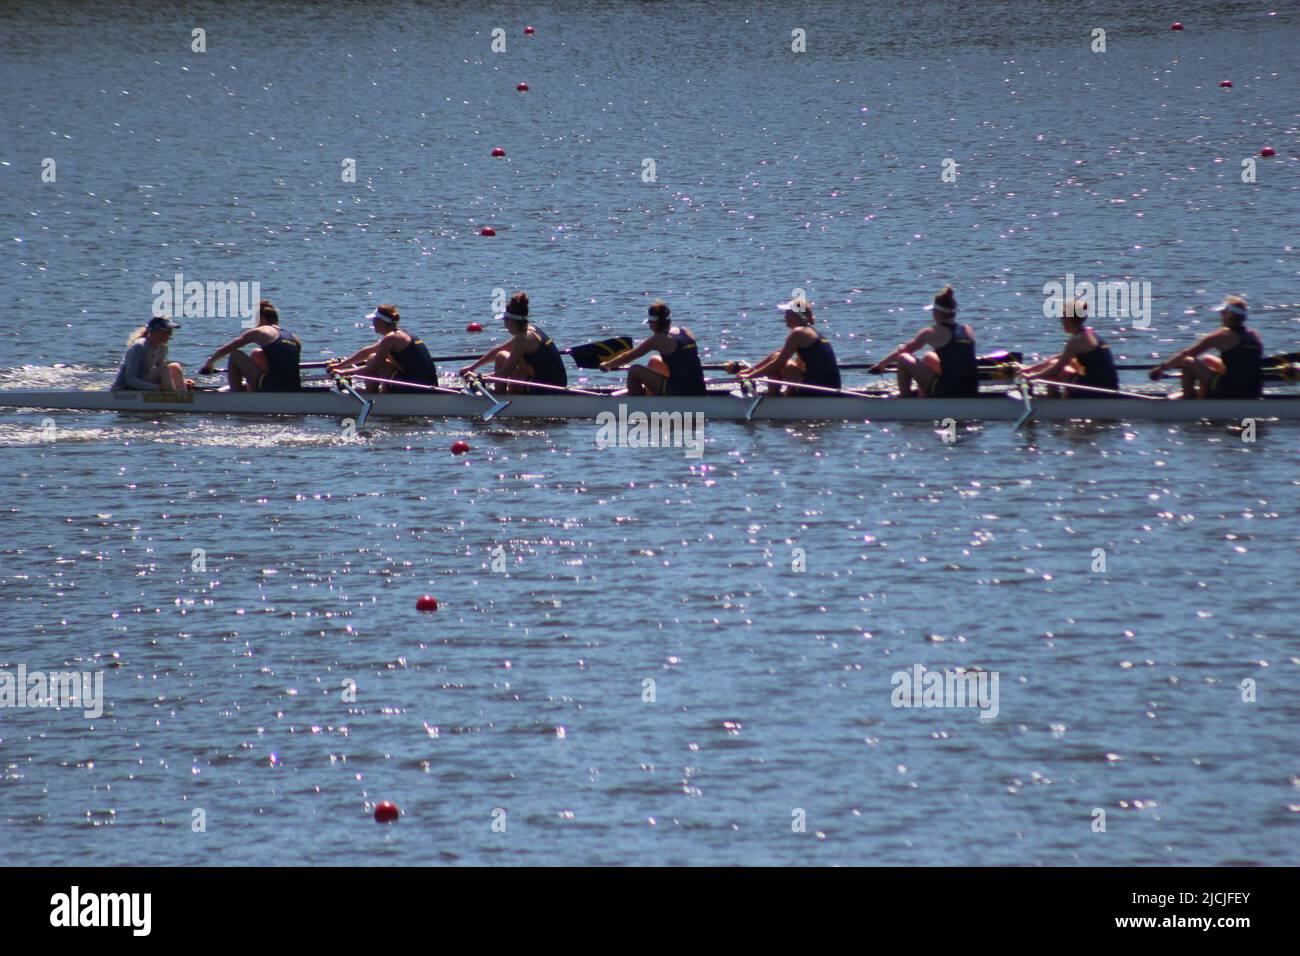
x: 516, y: 347
x: 488, y: 356
x: 1213, y: 340
x: 379, y: 354
x: 776, y: 359
x: 236, y: 343
x: 354, y: 362
x: 921, y: 340
x: 356, y: 357
x: 1054, y: 365
x: 133, y: 370
x: 629, y: 356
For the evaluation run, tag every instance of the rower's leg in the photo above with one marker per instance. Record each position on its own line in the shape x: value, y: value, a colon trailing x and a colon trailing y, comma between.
x: 242, y: 372
x: 792, y: 371
x: 923, y: 372
x: 499, y: 364
x: 1055, y: 391
x: 176, y: 376
x: 641, y: 380
x: 1198, y: 373
x: 906, y: 366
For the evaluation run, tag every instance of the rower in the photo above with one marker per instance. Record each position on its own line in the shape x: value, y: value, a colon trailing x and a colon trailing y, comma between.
x: 949, y: 371
x: 271, y: 367
x: 529, y: 355
x: 806, y: 357
x: 1237, y: 373
x: 398, y: 355
x: 1085, y: 360
x: 145, y: 367
x: 676, y: 370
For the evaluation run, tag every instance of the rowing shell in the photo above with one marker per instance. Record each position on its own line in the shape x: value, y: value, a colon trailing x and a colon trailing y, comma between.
x: 719, y: 406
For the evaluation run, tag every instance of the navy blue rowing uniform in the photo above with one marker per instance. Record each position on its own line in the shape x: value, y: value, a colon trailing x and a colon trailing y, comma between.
x: 959, y: 375
x: 819, y: 364
x: 1243, y: 371
x: 685, y: 375
x: 283, y: 372
x: 1098, y: 368
x: 547, y: 364
x: 414, y: 364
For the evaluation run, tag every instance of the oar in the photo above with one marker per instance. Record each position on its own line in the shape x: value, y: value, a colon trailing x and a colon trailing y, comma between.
x: 849, y: 393
x: 992, y: 360
x: 1025, y: 394
x: 589, y: 355
x: 477, y: 387
x: 1283, y: 360
x: 542, y: 385
x: 1074, y: 387
x: 419, y: 385
x: 592, y: 354
x: 366, y: 404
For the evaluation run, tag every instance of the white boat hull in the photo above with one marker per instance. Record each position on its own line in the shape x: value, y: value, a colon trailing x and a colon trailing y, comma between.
x: 714, y: 407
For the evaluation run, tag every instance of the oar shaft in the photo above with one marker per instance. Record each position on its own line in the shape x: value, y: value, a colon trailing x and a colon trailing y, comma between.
x: 542, y: 385
x: 419, y: 385
x: 1075, y: 387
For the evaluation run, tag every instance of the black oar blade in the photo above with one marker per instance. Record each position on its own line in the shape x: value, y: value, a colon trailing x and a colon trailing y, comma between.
x: 1000, y: 357
x: 999, y: 365
x: 593, y: 353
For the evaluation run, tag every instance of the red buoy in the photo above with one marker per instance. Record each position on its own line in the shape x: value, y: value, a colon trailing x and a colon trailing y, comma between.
x: 522, y: 87
x: 498, y: 151
x: 457, y: 448
x: 426, y: 602
x: 1176, y: 26
x: 386, y: 811
x: 1226, y: 84
x: 474, y: 327
x: 1268, y: 151
x: 528, y: 31
x: 487, y: 231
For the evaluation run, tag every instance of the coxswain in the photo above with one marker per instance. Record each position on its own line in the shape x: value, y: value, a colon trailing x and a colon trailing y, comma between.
x: 949, y: 370
x: 676, y: 370
x: 274, y: 363
x: 1238, y: 372
x: 528, y: 355
x: 145, y: 367
x: 805, y: 358
x: 398, y: 356
x: 1085, y: 360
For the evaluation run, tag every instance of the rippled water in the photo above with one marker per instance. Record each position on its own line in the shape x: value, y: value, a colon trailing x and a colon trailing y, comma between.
x: 1119, y: 689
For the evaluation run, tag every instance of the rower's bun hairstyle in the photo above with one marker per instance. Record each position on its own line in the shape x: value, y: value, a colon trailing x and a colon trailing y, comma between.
x: 659, y: 311
x: 390, y: 313
x: 1075, y: 309
x: 267, y: 313
x: 946, y: 299
x: 518, y: 307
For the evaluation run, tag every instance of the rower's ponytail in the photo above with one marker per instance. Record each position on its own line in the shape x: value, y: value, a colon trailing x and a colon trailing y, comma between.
x: 138, y: 334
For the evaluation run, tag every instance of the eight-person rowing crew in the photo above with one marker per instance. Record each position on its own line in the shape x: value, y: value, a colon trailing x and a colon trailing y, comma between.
x: 805, y: 364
